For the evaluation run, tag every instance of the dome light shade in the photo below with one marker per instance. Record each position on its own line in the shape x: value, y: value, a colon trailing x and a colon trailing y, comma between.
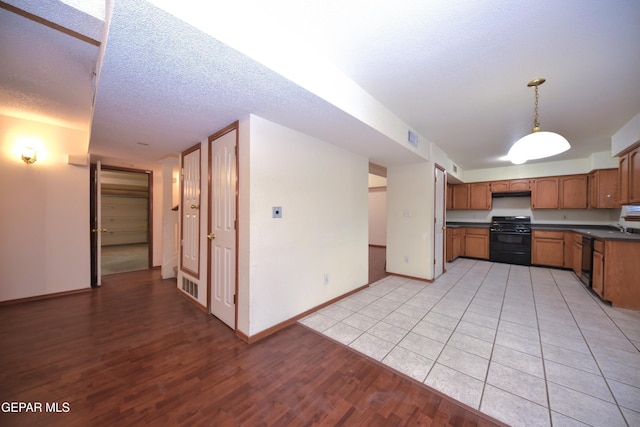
x: 538, y: 144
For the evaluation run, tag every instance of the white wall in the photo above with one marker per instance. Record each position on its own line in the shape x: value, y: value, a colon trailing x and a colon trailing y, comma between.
x: 44, y: 220
x: 378, y: 216
x: 322, y: 190
x: 170, y: 219
x: 600, y: 160
x: 377, y: 210
x: 626, y: 136
x: 410, y: 220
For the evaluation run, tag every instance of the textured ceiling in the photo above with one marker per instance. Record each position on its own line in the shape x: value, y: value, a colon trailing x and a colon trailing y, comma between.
x: 454, y: 71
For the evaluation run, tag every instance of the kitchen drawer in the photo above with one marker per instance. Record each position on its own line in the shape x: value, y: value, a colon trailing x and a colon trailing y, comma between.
x: 598, y: 246
x: 544, y: 234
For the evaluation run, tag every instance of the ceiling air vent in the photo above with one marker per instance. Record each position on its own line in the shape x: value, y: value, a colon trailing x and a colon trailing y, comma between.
x: 413, y: 139
x: 455, y: 168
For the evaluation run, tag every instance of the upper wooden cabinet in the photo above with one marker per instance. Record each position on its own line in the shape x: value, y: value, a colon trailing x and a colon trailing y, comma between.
x: 480, y: 195
x: 629, y: 177
x: 460, y: 196
x: 596, y: 190
x: 563, y: 192
x: 629, y: 173
x: 603, y: 189
x: 510, y: 185
x: 545, y: 193
x: 634, y: 176
x: 573, y: 192
x: 471, y: 196
x: 623, y: 179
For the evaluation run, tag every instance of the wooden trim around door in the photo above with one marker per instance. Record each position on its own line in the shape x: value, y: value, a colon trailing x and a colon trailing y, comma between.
x: 149, y: 174
x: 233, y: 126
x: 444, y: 217
x: 195, y: 274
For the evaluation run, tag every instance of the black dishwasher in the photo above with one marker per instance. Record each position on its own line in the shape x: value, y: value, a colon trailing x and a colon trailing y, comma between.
x: 587, y: 260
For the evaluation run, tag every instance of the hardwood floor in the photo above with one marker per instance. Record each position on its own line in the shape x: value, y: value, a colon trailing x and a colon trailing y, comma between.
x: 135, y: 352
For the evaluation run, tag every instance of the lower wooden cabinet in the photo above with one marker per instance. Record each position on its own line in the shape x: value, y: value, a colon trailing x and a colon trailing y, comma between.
x: 616, y: 272
x: 476, y: 242
x: 472, y: 242
x: 576, y: 252
x: 547, y: 248
x: 597, y: 268
x: 454, y: 242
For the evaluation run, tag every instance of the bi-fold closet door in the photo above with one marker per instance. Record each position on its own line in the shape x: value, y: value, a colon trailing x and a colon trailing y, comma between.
x: 220, y: 220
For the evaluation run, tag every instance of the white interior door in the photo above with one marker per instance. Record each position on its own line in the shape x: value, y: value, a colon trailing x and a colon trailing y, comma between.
x: 439, y: 222
x: 98, y: 230
x: 190, y: 240
x: 222, y: 227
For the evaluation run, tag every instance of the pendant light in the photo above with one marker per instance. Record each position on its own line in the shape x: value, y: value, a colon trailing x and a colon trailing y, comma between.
x: 538, y: 144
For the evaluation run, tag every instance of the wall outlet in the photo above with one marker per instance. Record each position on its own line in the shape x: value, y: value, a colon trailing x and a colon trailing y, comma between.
x: 325, y: 279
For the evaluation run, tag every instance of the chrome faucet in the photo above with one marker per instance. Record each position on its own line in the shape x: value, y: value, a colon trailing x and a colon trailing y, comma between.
x: 622, y: 228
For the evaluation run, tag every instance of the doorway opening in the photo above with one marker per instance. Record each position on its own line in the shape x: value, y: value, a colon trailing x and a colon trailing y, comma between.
x: 125, y: 204
x: 377, y: 222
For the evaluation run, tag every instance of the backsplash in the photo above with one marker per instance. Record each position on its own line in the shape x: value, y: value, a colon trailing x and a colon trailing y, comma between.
x: 509, y: 206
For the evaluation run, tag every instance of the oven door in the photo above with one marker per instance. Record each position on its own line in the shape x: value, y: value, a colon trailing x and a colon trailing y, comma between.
x: 510, y: 247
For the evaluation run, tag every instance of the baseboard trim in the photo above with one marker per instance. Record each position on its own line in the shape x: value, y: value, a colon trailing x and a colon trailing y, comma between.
x: 260, y: 335
x: 411, y: 277
x: 44, y: 297
x: 192, y: 301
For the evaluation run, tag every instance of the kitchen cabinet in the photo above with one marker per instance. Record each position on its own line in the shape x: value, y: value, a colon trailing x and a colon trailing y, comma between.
x: 476, y: 195
x: 568, y: 254
x: 573, y: 191
x: 510, y: 185
x: 449, y: 203
x: 623, y: 179
x: 547, y: 248
x: 603, y: 189
x: 500, y: 186
x: 460, y: 196
x: 616, y: 271
x: 629, y: 175
x: 454, y: 243
x: 519, y: 185
x: 597, y: 268
x: 480, y: 196
x: 634, y: 176
x: 545, y: 193
x: 576, y: 253
x: 476, y: 242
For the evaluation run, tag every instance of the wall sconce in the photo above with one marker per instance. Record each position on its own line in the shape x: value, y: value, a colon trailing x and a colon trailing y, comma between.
x: 29, y: 155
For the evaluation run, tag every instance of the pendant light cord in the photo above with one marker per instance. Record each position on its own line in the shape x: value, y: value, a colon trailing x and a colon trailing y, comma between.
x: 536, y: 123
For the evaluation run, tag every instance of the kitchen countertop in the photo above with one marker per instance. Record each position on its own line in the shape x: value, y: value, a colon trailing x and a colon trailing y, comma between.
x: 597, y: 232
x: 601, y: 232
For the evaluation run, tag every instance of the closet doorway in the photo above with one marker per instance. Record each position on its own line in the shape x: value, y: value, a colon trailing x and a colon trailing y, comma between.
x: 377, y: 222
x: 124, y: 202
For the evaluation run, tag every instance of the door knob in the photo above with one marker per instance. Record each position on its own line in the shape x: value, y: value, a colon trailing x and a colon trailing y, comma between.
x: 195, y: 207
x: 211, y: 236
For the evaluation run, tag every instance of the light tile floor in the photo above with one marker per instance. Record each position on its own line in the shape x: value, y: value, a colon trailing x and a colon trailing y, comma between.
x: 526, y: 345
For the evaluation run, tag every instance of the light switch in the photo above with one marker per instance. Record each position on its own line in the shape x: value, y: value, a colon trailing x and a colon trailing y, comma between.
x: 277, y: 211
